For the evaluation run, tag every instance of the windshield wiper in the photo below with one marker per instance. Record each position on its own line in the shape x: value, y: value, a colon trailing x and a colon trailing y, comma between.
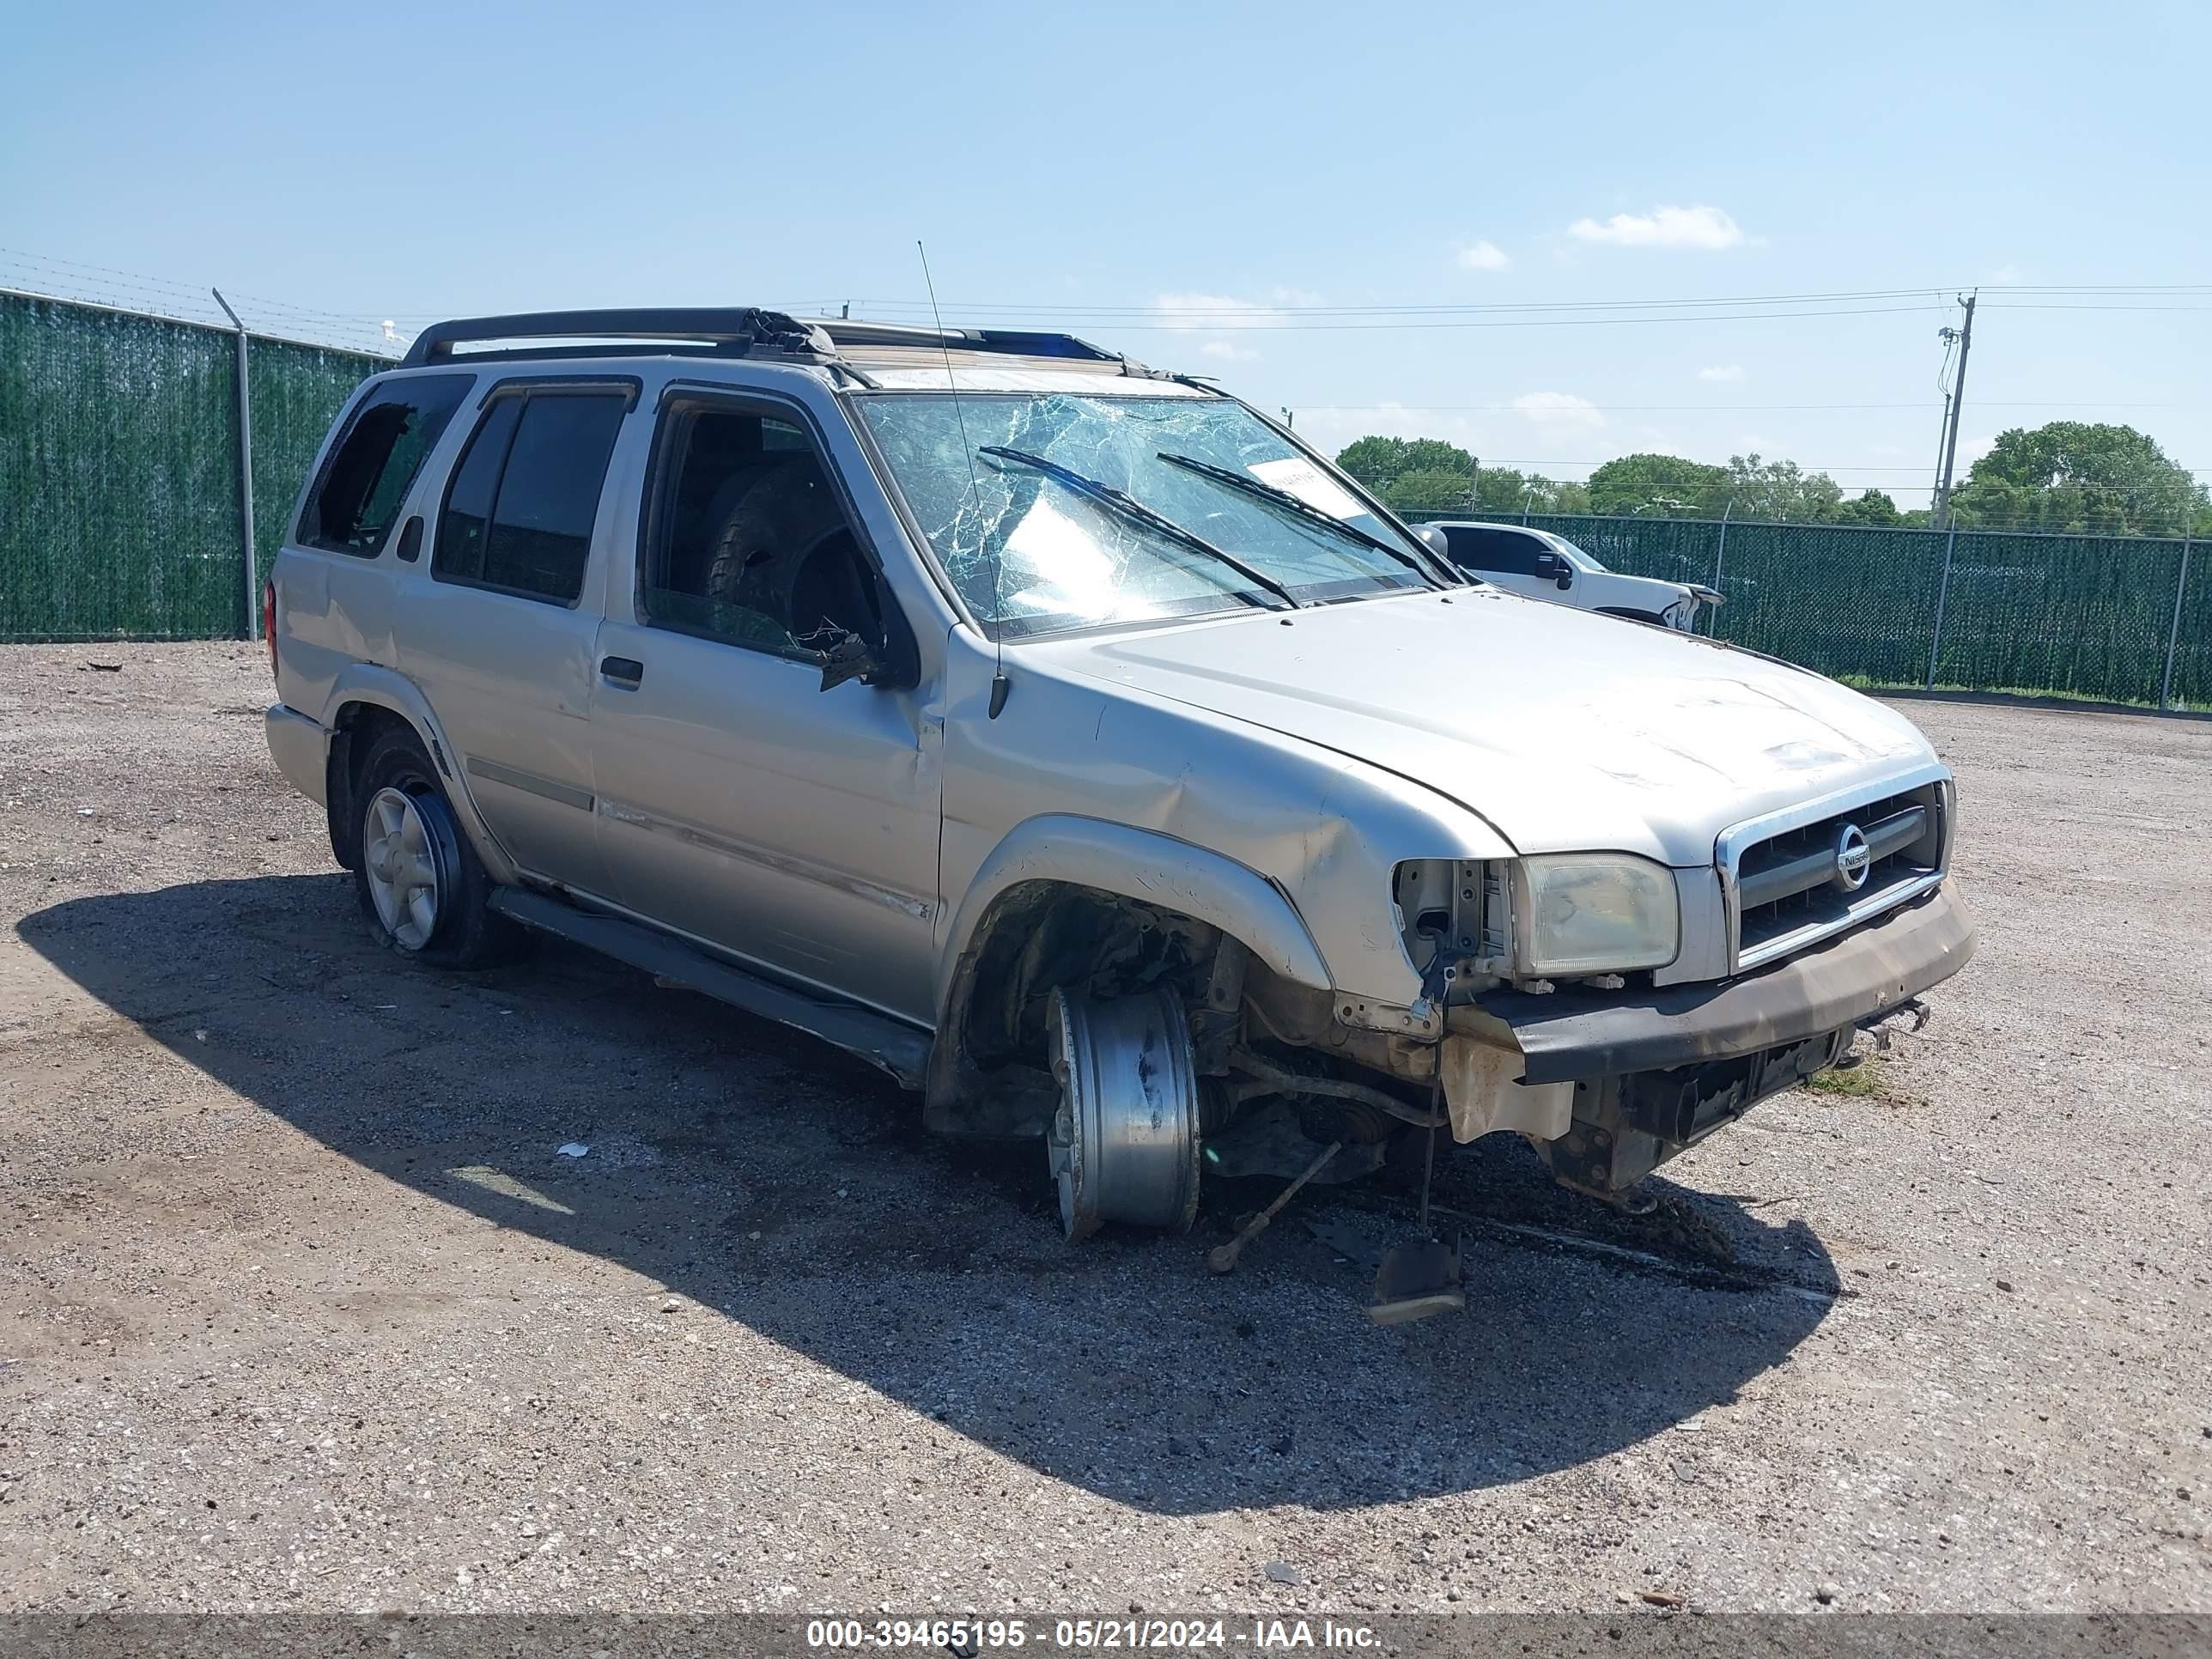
x: 1275, y: 496
x: 1137, y: 512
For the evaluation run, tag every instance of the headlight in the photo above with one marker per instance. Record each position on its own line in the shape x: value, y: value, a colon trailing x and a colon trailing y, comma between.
x: 1593, y: 912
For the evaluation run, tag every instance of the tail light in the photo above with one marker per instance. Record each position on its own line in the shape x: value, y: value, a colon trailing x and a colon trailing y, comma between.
x: 268, y: 620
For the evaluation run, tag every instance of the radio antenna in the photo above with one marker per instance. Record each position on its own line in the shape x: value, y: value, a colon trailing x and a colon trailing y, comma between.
x: 999, y: 682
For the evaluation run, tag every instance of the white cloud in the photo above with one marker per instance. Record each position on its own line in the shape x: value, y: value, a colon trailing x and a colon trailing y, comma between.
x: 1722, y: 373
x: 1217, y: 312
x: 1704, y: 228
x: 2008, y: 275
x: 1483, y: 256
x: 1559, y: 411
x: 1228, y: 350
x: 1214, y: 311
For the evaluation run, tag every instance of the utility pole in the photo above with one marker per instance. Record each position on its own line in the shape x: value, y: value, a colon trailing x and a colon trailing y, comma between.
x: 1942, y: 516
x: 1943, y: 434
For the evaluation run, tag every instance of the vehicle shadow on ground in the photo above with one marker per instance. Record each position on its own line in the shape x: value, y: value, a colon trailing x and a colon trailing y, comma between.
x: 762, y: 1173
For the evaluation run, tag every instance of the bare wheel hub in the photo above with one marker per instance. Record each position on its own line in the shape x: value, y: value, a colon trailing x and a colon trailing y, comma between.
x: 1123, y: 1145
x: 404, y: 861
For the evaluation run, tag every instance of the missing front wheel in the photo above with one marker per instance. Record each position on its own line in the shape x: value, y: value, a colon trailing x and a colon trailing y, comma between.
x: 1124, y: 1141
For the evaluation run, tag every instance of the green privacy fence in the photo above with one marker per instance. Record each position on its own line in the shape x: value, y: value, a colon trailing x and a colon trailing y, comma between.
x: 120, y: 517
x: 119, y: 488
x: 2074, y: 615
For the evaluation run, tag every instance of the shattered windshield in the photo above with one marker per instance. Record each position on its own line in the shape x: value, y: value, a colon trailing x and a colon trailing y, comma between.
x: 1033, y: 549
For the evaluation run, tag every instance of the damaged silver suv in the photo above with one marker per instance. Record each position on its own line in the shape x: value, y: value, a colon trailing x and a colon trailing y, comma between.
x: 1072, y: 742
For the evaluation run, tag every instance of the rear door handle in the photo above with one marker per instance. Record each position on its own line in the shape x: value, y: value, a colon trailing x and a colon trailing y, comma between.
x: 621, y: 670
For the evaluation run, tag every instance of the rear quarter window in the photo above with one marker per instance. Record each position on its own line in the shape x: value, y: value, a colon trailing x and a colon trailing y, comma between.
x: 372, y: 465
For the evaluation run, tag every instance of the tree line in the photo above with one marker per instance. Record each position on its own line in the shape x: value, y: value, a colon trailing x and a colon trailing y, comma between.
x: 2065, y: 477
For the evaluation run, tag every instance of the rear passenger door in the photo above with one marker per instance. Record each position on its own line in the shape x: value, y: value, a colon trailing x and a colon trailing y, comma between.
x: 500, y: 635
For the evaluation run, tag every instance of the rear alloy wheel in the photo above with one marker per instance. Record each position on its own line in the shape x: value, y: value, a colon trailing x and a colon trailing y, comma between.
x: 421, y: 885
x: 406, y: 868
x: 1124, y: 1143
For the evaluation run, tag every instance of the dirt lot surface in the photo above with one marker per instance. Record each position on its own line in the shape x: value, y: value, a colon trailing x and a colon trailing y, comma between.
x: 300, y: 1306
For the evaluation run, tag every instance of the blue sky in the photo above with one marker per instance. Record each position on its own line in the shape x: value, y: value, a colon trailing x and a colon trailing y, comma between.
x: 1195, y: 183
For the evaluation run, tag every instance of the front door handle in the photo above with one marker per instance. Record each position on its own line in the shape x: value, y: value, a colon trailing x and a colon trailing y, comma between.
x: 621, y: 670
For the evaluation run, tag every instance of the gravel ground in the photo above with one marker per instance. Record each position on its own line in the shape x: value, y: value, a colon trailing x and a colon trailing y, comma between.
x: 300, y: 1306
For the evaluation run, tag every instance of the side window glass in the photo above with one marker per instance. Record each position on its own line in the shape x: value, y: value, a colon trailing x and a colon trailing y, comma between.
x: 354, y: 502
x: 467, y: 522
x: 1501, y: 552
x: 749, y: 544
x: 519, y: 515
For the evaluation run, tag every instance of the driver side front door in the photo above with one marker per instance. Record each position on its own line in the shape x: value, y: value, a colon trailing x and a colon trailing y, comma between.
x: 741, y: 804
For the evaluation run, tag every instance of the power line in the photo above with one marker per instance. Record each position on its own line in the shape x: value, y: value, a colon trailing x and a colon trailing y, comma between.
x: 1232, y: 323
x: 1199, y: 313
x: 1220, y: 323
x: 1632, y: 409
x: 1208, y: 308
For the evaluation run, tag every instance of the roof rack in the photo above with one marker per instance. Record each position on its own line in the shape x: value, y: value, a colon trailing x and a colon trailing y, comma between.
x: 716, y: 331
x: 725, y: 332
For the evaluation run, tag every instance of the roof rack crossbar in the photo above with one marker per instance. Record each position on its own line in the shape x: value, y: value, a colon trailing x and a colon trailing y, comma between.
x: 737, y: 329
x: 854, y: 331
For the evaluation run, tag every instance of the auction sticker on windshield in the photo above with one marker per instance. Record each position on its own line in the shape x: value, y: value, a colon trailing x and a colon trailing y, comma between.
x: 1301, y: 478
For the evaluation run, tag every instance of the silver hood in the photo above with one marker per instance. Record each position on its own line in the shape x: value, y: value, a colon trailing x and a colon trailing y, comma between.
x: 1566, y: 731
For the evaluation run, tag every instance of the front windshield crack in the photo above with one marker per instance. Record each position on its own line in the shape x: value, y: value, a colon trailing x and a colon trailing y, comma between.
x: 1138, y: 512
x: 1078, y: 523
x: 1282, y: 500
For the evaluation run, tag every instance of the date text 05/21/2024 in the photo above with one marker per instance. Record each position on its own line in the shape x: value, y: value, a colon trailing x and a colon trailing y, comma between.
x: 976, y: 1635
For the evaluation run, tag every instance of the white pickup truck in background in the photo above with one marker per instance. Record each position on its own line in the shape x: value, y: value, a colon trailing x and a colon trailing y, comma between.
x: 1543, y: 566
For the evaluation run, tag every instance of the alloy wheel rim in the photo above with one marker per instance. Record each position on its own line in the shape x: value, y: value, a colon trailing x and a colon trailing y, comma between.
x: 401, y: 865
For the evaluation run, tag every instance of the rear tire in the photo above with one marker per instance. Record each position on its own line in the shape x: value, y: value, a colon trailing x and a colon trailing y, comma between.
x: 421, y: 886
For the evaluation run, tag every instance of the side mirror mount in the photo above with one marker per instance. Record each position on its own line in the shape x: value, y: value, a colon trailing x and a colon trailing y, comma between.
x: 844, y: 656
x: 891, y: 662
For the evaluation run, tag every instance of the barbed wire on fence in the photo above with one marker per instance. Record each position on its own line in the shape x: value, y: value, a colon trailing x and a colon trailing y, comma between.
x: 156, y: 296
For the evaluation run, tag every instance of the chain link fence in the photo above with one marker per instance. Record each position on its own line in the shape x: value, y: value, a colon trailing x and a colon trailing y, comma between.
x: 2104, y: 617
x: 119, y: 481
x: 120, y: 517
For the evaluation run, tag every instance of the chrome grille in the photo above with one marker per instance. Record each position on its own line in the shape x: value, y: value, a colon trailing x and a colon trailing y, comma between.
x: 1789, y: 884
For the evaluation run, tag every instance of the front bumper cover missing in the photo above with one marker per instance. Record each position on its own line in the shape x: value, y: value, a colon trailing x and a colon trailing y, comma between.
x: 1849, y: 980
